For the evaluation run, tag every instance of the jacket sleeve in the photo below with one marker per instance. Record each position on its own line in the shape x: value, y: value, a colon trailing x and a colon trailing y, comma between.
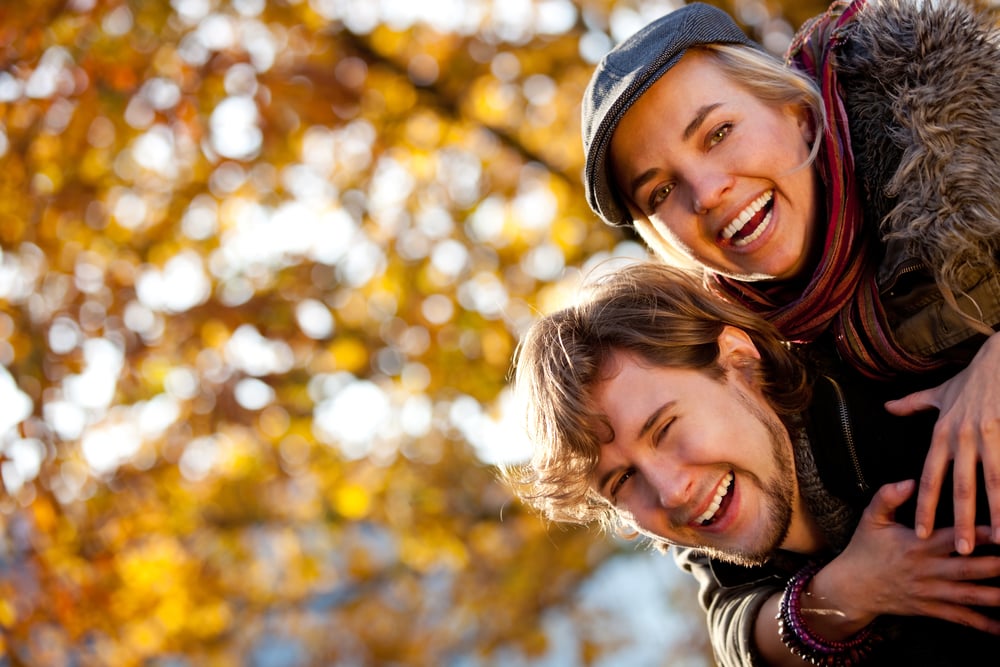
x: 731, y: 611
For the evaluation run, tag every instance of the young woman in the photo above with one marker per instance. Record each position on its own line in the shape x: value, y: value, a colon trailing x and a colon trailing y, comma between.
x: 850, y: 196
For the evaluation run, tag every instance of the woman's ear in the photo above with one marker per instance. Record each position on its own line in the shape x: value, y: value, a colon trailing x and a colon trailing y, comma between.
x: 806, y: 122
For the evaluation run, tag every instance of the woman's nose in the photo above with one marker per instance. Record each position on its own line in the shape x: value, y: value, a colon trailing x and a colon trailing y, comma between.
x: 708, y: 188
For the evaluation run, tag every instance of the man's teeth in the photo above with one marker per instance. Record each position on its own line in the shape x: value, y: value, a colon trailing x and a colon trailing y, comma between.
x: 720, y: 493
x: 743, y: 218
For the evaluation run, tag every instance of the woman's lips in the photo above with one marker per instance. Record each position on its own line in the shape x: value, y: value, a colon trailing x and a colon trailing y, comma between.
x: 753, y: 221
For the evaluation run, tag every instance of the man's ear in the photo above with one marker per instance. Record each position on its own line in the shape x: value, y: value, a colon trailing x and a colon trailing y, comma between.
x: 736, y: 350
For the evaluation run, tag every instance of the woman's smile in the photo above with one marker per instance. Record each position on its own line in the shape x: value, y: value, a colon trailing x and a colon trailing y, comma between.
x: 751, y: 223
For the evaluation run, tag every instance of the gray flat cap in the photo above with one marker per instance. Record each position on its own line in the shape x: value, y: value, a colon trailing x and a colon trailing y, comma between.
x: 625, y: 73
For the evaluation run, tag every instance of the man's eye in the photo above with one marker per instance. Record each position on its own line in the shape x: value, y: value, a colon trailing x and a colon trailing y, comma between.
x: 657, y: 196
x: 662, y: 433
x: 619, y: 483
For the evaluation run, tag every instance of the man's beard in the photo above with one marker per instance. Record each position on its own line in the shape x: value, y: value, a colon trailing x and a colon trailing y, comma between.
x: 778, y: 492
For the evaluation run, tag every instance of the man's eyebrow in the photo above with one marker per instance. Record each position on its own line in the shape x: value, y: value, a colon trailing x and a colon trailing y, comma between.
x: 643, y: 430
x: 653, y: 418
x: 605, y: 478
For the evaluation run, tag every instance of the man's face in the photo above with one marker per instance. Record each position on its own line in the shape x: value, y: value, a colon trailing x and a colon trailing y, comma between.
x: 694, y: 460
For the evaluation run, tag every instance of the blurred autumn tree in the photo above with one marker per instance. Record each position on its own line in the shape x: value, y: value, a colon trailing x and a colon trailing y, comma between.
x: 264, y: 264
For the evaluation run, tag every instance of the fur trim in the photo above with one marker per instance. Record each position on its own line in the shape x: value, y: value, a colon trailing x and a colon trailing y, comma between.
x: 921, y: 82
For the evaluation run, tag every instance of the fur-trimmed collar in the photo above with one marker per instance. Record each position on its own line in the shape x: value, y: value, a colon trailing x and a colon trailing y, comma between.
x: 921, y: 82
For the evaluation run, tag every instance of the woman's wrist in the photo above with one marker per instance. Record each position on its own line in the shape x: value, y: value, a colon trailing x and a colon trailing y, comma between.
x: 830, y: 607
x: 800, y: 627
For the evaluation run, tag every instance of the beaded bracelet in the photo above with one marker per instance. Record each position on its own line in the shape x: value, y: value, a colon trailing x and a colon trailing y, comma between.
x: 801, y: 641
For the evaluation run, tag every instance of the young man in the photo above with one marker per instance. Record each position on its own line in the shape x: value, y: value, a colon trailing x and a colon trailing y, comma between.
x: 658, y: 407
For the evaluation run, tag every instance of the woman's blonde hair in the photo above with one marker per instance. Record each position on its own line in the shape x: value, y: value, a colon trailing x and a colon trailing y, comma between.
x: 663, y: 315
x: 770, y: 81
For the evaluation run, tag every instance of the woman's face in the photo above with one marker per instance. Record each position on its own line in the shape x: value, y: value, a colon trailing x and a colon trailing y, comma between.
x: 723, y: 176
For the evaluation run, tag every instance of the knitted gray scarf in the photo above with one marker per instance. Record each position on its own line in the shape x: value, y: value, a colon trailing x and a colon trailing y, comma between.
x: 836, y: 519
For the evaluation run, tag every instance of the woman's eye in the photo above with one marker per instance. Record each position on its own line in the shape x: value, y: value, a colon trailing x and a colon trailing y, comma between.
x: 657, y: 196
x: 619, y: 483
x: 719, y: 133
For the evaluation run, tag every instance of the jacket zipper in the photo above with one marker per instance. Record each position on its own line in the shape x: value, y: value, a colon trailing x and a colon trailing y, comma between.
x: 910, y: 266
x: 845, y: 422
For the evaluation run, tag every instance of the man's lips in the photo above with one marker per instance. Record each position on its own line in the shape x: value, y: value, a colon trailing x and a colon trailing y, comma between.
x: 721, y: 495
x: 752, y: 221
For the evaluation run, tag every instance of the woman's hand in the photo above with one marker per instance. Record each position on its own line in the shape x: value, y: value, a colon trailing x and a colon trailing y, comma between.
x: 968, y: 432
x: 887, y: 569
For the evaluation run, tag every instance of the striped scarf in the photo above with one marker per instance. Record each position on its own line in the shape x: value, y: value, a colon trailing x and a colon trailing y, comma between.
x: 842, y: 294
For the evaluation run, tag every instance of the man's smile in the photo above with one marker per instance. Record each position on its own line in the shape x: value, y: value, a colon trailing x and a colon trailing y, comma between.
x: 721, y: 493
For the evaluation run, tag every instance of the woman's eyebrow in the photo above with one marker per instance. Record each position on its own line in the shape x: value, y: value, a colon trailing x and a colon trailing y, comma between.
x: 641, y: 180
x: 691, y: 128
x: 699, y: 118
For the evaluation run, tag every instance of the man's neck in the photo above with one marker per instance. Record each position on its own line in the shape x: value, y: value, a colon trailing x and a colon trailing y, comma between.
x: 804, y: 533
x: 809, y: 533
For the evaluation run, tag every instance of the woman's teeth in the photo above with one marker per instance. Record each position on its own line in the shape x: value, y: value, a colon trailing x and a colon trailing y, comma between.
x: 746, y: 216
x: 720, y: 493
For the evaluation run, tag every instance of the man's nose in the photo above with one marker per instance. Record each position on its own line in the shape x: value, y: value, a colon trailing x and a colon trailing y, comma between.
x: 671, y: 482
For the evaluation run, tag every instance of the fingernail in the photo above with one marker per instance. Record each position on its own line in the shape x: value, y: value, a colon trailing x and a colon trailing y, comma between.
x: 963, y: 547
x: 922, y: 532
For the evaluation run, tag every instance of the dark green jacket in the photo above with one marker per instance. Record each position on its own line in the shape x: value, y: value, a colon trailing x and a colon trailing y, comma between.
x: 857, y: 447
x: 921, y: 86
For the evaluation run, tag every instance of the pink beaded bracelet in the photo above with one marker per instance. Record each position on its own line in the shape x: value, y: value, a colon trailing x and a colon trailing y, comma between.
x: 801, y: 641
